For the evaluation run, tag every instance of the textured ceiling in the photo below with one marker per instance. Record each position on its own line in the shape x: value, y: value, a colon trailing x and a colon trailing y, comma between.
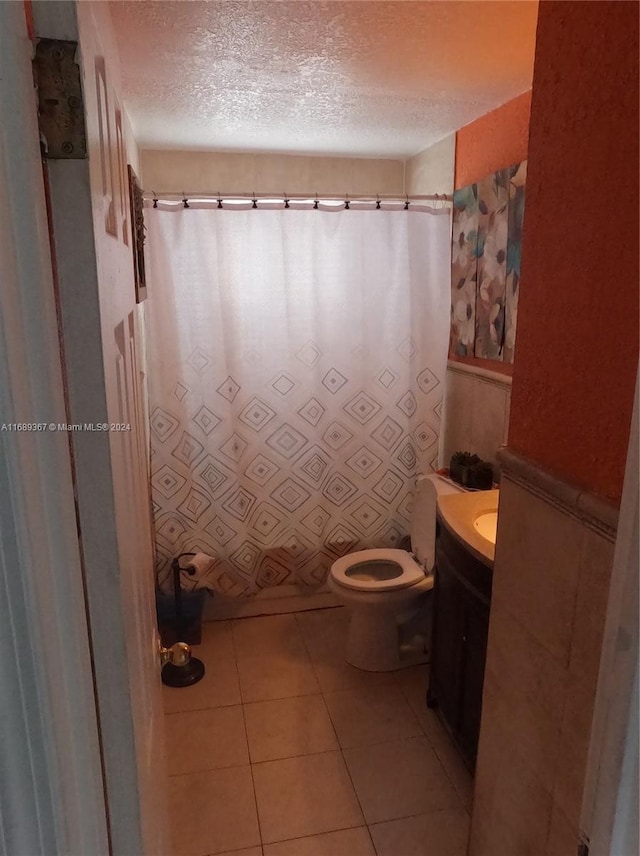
x: 343, y: 78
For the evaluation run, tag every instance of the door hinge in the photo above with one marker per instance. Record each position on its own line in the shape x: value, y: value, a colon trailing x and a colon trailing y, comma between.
x: 60, y: 104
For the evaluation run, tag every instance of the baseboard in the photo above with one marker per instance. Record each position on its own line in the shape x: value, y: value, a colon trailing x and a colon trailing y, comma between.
x: 271, y: 601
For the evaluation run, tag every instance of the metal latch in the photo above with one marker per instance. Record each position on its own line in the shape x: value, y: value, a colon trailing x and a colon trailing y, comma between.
x: 60, y: 104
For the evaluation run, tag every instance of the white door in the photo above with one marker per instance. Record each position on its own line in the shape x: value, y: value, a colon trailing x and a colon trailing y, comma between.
x: 101, y: 328
x: 52, y: 794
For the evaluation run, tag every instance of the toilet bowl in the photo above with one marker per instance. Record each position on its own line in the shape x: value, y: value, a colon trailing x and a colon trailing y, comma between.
x: 389, y: 591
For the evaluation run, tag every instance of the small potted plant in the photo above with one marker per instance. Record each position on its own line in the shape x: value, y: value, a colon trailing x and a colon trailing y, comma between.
x: 467, y: 469
x: 481, y: 476
x: 459, y: 466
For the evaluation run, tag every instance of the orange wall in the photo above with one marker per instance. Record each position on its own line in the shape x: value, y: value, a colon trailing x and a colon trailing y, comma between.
x: 577, y: 347
x: 493, y: 141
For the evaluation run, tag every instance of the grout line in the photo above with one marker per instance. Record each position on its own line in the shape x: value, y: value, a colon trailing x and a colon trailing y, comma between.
x: 246, y: 737
x: 451, y: 781
x: 317, y: 834
x: 437, y: 752
x: 299, y: 755
x: 426, y: 813
x: 335, y: 733
x: 395, y: 682
x: 257, y: 847
x: 235, y: 662
x: 337, y: 748
x: 200, y: 709
x: 355, y: 790
x: 253, y: 782
x: 209, y: 770
x: 306, y: 648
x: 373, y: 843
x: 238, y: 850
x: 279, y: 698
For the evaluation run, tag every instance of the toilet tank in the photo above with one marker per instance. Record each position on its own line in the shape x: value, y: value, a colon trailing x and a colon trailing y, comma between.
x: 423, y: 516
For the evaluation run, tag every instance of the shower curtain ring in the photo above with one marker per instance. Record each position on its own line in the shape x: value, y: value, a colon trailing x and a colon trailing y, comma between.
x: 286, y: 201
x: 185, y: 204
x: 377, y: 202
x: 315, y: 203
x: 255, y: 202
x: 219, y: 200
x: 406, y: 203
x: 346, y: 202
x: 155, y: 199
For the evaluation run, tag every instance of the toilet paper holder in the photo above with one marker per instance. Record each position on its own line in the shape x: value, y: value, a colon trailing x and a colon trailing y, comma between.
x: 179, y: 668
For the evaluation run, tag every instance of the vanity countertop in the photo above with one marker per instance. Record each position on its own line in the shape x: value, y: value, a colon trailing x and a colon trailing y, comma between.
x: 458, y: 511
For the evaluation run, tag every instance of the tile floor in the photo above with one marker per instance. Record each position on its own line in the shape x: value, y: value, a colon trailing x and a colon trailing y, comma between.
x: 283, y: 749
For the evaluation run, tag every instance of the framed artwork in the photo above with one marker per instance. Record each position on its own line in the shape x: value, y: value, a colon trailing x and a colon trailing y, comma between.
x: 485, y: 265
x: 137, y: 234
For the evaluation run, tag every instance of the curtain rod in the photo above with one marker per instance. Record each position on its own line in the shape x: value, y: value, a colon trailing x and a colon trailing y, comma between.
x: 208, y: 194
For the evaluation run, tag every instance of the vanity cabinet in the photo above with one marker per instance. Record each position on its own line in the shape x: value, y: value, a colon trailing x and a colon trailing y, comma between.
x: 462, y: 596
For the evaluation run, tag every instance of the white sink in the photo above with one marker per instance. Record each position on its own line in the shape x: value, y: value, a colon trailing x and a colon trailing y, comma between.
x: 486, y: 524
x: 472, y: 517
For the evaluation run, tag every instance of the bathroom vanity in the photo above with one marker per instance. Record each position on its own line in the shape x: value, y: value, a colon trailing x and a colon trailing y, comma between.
x: 465, y: 546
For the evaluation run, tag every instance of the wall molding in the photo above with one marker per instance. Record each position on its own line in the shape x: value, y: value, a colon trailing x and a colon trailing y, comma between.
x: 496, y: 378
x: 593, y: 511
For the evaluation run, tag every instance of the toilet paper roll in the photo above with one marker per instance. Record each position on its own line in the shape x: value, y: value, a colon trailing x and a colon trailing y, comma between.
x: 206, y: 572
x: 199, y: 564
x: 197, y: 572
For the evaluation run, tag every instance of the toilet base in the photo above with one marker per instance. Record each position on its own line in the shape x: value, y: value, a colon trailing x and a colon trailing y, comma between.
x: 387, y: 630
x: 377, y: 643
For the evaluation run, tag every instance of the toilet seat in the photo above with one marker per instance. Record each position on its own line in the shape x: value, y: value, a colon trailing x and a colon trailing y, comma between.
x: 411, y: 572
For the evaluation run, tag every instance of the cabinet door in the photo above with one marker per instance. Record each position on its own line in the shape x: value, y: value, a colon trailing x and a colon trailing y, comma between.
x: 445, y: 684
x: 475, y: 624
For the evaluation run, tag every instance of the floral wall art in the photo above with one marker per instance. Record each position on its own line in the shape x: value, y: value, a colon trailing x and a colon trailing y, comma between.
x: 485, y: 265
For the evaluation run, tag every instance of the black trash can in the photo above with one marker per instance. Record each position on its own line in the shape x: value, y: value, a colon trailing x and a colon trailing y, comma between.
x: 190, y: 629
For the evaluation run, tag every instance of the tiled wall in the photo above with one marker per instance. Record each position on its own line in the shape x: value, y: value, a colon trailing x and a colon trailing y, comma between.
x: 476, y: 412
x: 550, y: 588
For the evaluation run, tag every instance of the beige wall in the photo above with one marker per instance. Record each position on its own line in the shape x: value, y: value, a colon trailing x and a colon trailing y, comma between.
x: 470, y: 423
x: 476, y: 415
x: 550, y: 589
x: 432, y: 170
x: 178, y: 171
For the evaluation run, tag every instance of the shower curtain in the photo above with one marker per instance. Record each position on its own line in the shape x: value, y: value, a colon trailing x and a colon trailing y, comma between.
x: 296, y: 363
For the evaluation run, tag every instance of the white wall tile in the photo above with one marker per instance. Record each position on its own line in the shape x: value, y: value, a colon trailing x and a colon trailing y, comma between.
x: 476, y: 415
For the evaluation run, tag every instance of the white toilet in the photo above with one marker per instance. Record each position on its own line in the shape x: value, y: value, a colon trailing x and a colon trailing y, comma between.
x: 388, y: 591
